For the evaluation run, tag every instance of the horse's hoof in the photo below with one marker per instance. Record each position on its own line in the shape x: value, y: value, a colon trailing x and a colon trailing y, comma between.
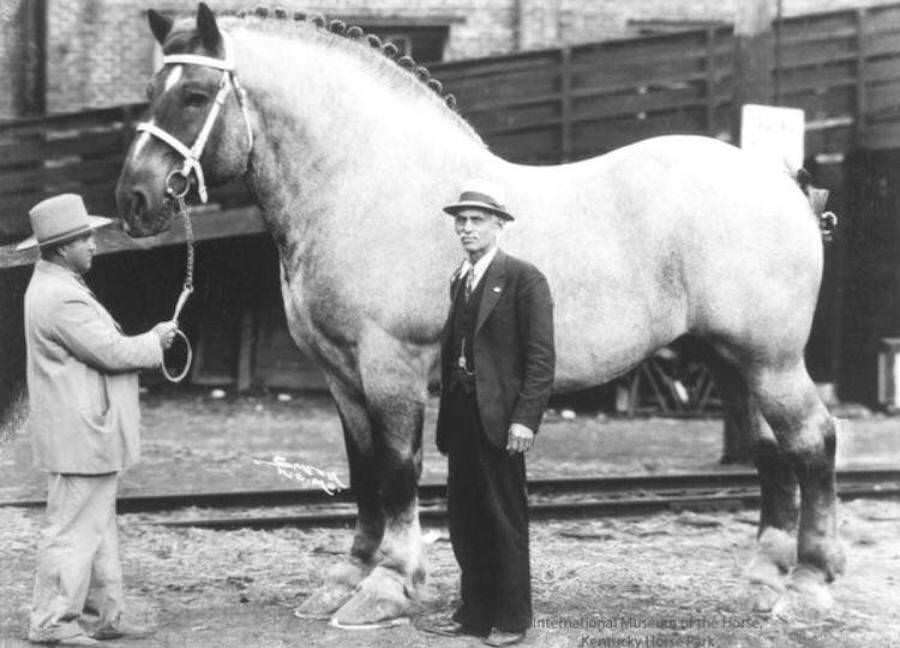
x: 762, y: 571
x: 381, y: 600
x: 325, y: 601
x: 778, y: 547
x: 836, y: 559
x: 810, y: 595
x: 768, y: 600
x: 387, y: 623
x: 340, y: 584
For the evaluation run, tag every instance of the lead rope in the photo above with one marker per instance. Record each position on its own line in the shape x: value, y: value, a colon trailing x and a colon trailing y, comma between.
x: 188, y: 286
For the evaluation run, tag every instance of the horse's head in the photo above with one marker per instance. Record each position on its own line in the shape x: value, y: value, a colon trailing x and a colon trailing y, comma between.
x: 198, y: 130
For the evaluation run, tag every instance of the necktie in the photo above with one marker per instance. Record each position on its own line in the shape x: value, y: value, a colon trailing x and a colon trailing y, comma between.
x: 470, y: 283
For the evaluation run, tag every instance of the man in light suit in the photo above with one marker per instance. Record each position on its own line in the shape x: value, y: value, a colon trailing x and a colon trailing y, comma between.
x: 84, y: 425
x: 497, y: 364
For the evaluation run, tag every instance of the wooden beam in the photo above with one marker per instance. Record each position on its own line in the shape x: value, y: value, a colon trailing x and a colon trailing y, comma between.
x: 208, y: 224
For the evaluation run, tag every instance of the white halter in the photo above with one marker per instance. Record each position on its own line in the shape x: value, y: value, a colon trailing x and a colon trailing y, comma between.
x: 229, y: 79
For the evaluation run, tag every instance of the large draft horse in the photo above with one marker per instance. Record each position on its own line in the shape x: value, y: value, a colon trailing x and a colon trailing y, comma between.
x: 351, y: 153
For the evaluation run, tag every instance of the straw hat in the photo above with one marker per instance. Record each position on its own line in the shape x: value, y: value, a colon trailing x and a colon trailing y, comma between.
x: 480, y: 195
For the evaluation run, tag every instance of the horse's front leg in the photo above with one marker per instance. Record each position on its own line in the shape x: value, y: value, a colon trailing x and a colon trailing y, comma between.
x: 342, y: 580
x: 394, y: 376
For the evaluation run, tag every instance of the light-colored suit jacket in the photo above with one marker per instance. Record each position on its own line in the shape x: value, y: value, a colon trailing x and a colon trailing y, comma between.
x: 82, y: 381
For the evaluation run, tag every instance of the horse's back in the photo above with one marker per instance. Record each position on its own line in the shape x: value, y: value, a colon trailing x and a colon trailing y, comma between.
x: 671, y: 235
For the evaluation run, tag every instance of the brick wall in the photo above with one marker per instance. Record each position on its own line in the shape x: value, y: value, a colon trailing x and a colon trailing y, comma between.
x: 96, y: 55
x: 12, y: 57
x: 581, y: 21
x: 100, y: 52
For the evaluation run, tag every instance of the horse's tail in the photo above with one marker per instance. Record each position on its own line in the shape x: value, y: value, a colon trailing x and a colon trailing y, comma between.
x: 817, y: 198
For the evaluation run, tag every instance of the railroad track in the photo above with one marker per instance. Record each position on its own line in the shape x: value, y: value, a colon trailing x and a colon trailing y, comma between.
x: 548, y: 499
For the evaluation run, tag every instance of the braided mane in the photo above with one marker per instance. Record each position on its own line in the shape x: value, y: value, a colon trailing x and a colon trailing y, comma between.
x: 356, y: 34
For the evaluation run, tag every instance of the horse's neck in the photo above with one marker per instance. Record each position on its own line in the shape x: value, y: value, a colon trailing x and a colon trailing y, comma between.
x: 335, y: 135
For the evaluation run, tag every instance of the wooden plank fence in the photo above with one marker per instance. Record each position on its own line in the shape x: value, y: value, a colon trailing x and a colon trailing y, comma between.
x: 570, y: 103
x: 80, y: 152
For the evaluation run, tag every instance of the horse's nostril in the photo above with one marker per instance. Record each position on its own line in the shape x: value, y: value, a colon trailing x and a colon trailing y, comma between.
x: 138, y: 203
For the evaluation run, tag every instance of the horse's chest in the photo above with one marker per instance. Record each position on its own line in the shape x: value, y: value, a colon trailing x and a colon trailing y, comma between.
x: 317, y: 310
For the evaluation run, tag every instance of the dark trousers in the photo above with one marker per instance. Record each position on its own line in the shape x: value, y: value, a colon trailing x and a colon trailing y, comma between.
x: 488, y: 511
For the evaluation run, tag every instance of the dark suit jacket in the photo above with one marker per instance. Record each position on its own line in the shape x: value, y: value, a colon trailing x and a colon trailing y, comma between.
x: 513, y: 349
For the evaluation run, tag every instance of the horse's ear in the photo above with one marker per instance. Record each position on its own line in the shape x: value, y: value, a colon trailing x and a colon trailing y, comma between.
x: 207, y: 28
x: 160, y: 25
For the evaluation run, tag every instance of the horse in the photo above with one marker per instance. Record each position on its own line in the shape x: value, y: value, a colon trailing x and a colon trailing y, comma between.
x: 351, y: 152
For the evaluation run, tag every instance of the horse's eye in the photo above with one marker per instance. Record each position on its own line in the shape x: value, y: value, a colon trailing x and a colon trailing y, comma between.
x: 196, y: 99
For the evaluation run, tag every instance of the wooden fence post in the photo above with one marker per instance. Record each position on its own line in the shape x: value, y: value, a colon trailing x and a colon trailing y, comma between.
x: 754, y: 57
x: 711, y: 81
x: 35, y: 77
x: 753, y: 62
x: 565, y: 103
x: 861, y: 106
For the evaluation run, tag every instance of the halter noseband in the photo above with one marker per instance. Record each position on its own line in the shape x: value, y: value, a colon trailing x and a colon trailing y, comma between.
x: 192, y: 155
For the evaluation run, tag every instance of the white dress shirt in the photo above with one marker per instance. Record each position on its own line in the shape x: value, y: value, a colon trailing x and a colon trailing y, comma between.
x: 481, y: 266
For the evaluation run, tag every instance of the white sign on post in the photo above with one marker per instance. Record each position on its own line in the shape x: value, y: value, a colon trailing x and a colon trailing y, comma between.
x: 774, y: 132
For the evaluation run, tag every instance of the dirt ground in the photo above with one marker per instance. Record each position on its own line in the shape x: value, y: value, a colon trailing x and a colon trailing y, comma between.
x: 663, y: 581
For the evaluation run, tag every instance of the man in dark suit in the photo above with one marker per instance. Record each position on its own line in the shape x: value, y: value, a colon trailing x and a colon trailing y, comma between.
x: 497, y: 363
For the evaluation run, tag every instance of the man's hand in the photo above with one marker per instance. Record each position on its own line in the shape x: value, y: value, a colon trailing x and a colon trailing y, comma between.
x: 166, y: 333
x: 520, y: 439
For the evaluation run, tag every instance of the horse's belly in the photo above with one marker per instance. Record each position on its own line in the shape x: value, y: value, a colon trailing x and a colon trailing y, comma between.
x: 597, y: 342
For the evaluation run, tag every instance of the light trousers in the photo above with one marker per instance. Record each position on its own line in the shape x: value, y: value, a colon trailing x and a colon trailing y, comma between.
x: 78, y: 586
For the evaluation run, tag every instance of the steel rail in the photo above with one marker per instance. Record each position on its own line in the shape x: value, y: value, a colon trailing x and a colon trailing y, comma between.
x: 619, y: 488
x: 557, y: 503
x: 623, y: 507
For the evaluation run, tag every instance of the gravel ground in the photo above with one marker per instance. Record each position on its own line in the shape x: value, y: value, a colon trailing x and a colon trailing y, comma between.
x: 663, y: 581
x: 668, y: 580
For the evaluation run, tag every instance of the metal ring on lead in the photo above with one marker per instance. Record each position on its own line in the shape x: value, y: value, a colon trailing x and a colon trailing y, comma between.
x: 187, y: 364
x: 177, y: 175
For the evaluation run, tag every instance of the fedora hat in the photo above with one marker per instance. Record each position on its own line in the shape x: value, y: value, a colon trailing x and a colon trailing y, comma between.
x: 60, y: 219
x: 480, y: 195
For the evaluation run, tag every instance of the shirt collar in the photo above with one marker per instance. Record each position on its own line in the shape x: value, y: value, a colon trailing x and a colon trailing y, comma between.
x: 481, y: 265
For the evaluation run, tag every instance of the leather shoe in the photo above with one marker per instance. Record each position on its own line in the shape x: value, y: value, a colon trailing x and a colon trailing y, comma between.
x: 121, y: 630
x: 451, y: 628
x: 501, y: 638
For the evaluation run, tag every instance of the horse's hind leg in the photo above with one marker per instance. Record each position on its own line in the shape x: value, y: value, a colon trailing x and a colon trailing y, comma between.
x: 341, y: 581
x: 805, y: 432
x: 776, y: 550
x: 776, y: 545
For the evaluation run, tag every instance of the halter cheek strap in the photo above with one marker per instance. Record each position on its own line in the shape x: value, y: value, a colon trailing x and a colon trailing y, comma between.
x: 227, y: 82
